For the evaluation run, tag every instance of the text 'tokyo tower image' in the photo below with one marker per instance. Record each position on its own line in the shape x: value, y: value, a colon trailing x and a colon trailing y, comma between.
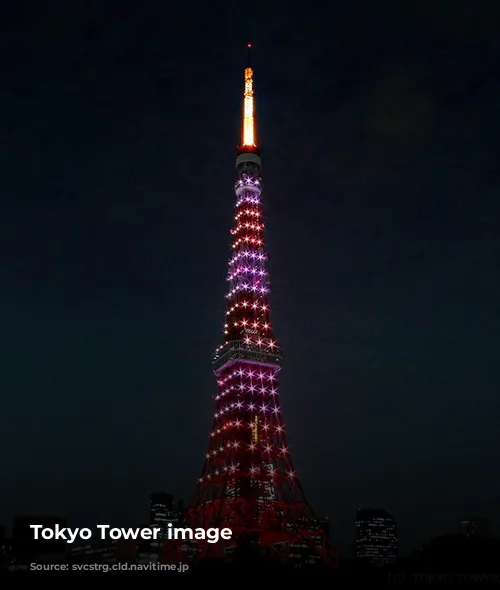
x: 248, y: 482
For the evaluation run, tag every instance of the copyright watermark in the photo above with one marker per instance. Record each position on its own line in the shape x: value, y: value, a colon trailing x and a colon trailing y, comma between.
x: 399, y: 578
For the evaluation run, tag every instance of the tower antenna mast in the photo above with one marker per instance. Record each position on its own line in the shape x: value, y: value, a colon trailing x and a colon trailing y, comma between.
x: 248, y: 139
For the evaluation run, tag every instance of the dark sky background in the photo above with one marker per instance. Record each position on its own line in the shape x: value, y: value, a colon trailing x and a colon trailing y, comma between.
x: 379, y: 124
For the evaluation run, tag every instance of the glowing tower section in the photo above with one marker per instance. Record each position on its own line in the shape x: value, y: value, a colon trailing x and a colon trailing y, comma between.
x: 248, y: 482
x: 247, y: 460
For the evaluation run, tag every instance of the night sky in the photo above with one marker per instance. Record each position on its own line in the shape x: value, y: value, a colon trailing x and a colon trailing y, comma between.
x: 379, y: 126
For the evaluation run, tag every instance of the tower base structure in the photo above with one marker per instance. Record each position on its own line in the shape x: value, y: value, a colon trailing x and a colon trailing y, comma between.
x: 268, y: 547
x: 268, y: 551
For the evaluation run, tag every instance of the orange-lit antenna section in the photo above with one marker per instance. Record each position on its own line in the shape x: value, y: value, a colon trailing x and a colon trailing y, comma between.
x: 248, y: 107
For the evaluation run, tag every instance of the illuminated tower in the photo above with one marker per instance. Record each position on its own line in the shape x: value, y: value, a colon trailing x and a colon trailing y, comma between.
x: 248, y: 482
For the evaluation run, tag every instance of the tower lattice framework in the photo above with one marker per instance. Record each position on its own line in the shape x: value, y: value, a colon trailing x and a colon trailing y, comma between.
x: 248, y: 482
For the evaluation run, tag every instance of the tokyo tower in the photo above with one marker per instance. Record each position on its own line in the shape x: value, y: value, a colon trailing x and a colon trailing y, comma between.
x: 248, y: 482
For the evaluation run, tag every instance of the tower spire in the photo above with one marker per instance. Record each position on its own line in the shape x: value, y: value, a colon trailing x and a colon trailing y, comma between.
x: 248, y: 139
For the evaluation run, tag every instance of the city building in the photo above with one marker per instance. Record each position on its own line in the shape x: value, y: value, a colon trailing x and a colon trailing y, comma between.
x: 376, y: 538
x: 474, y: 527
x: 4, y: 546
x: 104, y: 552
x: 163, y: 511
x: 26, y: 549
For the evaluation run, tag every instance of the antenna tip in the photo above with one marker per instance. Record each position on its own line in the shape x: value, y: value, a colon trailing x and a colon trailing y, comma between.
x: 249, y: 45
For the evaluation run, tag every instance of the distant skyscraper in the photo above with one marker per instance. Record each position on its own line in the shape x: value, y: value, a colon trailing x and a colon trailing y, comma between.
x: 163, y: 512
x: 376, y: 537
x: 25, y: 549
x: 3, y: 545
x: 474, y: 527
x: 161, y: 505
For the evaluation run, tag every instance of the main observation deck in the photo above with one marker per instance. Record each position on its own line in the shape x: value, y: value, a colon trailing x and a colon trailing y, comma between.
x: 238, y: 351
